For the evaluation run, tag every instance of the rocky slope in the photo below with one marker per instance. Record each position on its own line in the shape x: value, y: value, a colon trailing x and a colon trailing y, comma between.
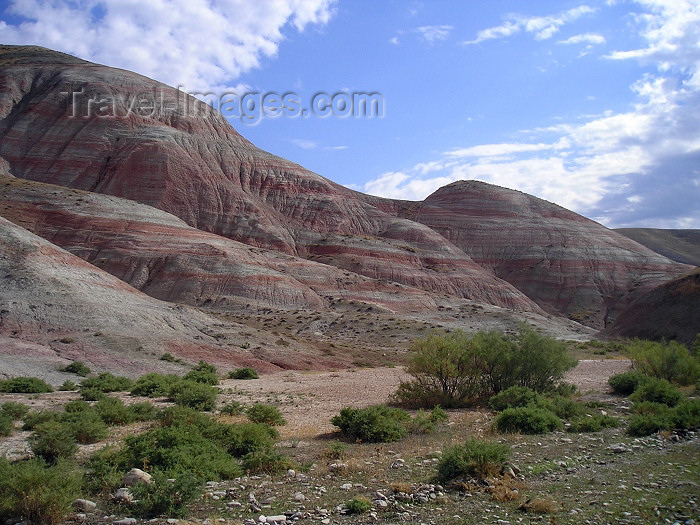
x: 682, y: 246
x: 176, y: 204
x: 669, y: 311
x: 565, y: 262
x: 201, y: 170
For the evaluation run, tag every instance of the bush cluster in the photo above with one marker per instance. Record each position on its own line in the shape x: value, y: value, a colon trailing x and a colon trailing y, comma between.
x: 106, y: 382
x: 528, y: 420
x: 627, y: 382
x: 36, y: 492
x: 456, y: 370
x: 377, y: 423
x: 268, y: 414
x: 650, y: 417
x: 25, y: 385
x: 670, y: 361
x: 243, y: 373
x: 381, y: 424
x: 76, y: 367
x: 204, y: 373
x: 474, y: 459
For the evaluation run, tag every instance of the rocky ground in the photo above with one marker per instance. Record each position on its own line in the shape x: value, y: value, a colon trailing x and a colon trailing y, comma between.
x: 604, y: 477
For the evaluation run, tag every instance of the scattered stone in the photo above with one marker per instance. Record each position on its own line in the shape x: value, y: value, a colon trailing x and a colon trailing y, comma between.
x: 618, y: 448
x: 135, y: 475
x: 346, y: 486
x: 84, y: 505
x: 125, y: 521
x: 291, y: 473
x: 123, y: 495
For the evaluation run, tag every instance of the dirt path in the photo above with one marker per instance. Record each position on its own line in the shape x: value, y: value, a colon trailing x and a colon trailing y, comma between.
x: 309, y: 400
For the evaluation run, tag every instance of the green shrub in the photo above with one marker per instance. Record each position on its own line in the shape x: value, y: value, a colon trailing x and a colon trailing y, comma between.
x: 35, y: 418
x: 527, y: 420
x: 243, y: 439
x: 646, y: 424
x: 686, y: 416
x: 14, y: 410
x: 169, y: 358
x: 113, y: 411
x: 32, y: 491
x: 104, y: 471
x: 563, y: 389
x: 76, y: 367
x: 425, y: 422
x: 243, y: 373
x: 92, y: 394
x: 476, y: 458
x: 670, y: 361
x: 25, y: 385
x: 233, y: 408
x: 456, y: 370
x: 154, y: 385
x: 165, y: 496
x: 144, y: 411
x: 86, y: 426
x: 181, y: 450
x: 266, y: 462
x: 268, y: 414
x: 52, y: 441
x: 7, y: 426
x: 68, y: 386
x: 335, y: 450
x: 566, y: 408
x: 107, y: 382
x: 627, y: 382
x: 593, y: 423
x: 203, y: 373
x: 657, y: 391
x: 193, y: 394
x: 515, y: 396
x: 358, y: 505
x: 76, y: 405
x: 377, y: 423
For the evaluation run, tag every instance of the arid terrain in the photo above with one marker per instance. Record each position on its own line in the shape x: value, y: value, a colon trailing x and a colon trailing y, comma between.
x: 603, y: 477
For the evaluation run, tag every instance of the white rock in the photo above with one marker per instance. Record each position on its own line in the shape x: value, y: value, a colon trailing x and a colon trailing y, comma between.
x: 135, y: 475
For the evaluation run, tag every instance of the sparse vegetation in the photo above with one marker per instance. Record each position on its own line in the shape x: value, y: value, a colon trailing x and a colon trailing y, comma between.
x: 657, y: 391
x: 456, y: 370
x: 671, y: 361
x: 358, y: 505
x: 204, y: 373
x: 474, y: 459
x: 627, y: 382
x: 106, y: 382
x: 77, y: 367
x: 377, y: 423
x: 243, y: 373
x: 527, y: 420
x: 193, y: 394
x: 268, y: 414
x: 39, y: 493
x: 25, y: 385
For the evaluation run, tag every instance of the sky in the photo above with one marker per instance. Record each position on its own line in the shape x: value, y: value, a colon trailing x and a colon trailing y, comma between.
x: 593, y: 105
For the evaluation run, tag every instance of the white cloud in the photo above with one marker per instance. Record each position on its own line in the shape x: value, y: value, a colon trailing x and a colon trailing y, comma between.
x: 496, y: 150
x: 435, y: 33
x: 542, y: 27
x: 587, y: 38
x: 633, y: 168
x: 305, y: 144
x: 198, y: 44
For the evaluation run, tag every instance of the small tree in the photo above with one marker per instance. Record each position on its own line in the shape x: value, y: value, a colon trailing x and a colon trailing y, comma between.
x: 672, y: 362
x: 445, y: 370
x: 455, y: 370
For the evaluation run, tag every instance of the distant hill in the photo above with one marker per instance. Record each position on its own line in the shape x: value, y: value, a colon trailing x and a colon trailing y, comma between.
x: 682, y: 246
x: 669, y: 311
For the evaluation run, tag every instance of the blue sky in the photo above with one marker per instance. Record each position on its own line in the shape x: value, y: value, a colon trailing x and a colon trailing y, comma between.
x: 593, y: 105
